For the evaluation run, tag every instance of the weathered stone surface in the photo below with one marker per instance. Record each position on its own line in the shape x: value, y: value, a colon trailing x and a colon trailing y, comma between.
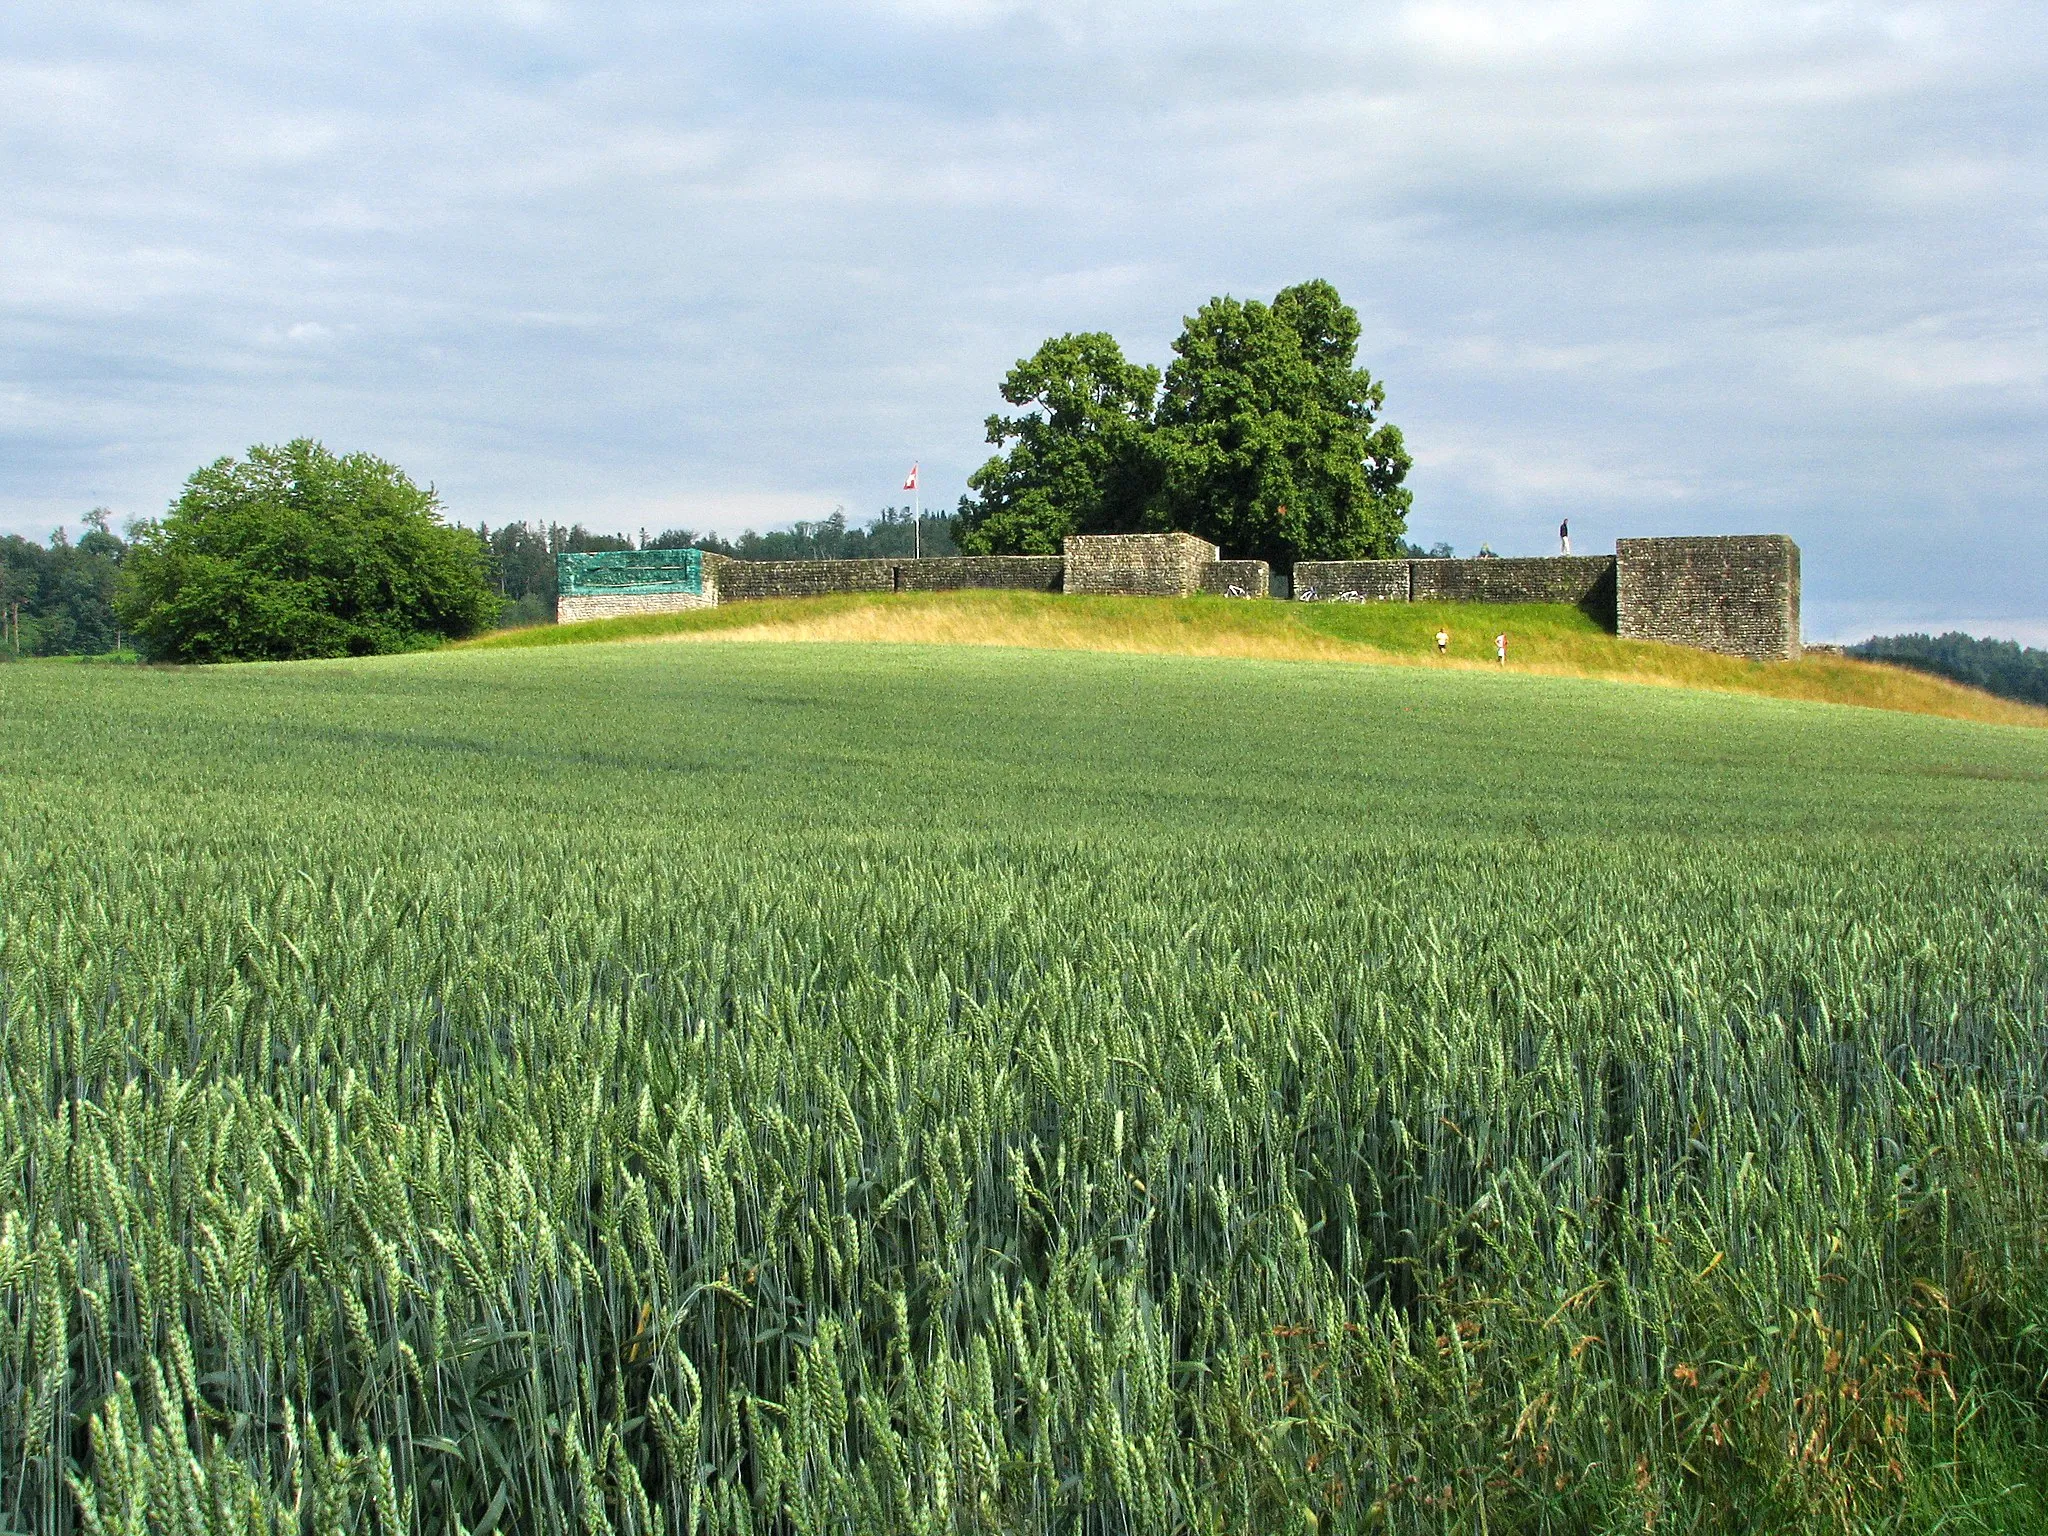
x: 1138, y: 564
x: 1237, y: 578
x: 741, y: 580
x: 1352, y: 581
x: 1737, y: 595
x: 1585, y: 581
x: 612, y: 605
x: 1030, y: 573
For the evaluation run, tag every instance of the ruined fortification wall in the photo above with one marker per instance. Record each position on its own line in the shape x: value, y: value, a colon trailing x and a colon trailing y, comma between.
x: 1029, y: 573
x: 571, y: 609
x: 1585, y: 581
x: 1138, y: 564
x: 1737, y: 595
x: 742, y: 580
x: 1236, y: 578
x: 1352, y: 581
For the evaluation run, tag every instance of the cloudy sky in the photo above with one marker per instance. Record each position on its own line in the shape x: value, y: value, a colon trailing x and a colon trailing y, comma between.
x: 1711, y: 266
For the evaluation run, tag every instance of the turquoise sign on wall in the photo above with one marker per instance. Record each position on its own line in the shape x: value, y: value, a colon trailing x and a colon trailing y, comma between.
x: 630, y: 571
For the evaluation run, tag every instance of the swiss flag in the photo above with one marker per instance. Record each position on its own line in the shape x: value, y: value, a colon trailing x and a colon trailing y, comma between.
x: 911, y: 483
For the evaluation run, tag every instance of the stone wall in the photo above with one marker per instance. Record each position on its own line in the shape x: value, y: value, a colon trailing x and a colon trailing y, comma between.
x: 1237, y: 578
x: 1138, y: 564
x: 741, y: 580
x: 612, y: 605
x: 1352, y: 581
x: 1738, y: 595
x: 1585, y: 581
x: 952, y: 573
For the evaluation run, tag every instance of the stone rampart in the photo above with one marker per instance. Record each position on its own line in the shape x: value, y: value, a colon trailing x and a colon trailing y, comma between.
x: 1352, y: 581
x: 1237, y: 578
x: 953, y: 573
x: 739, y: 581
x: 573, y: 608
x: 1585, y: 581
x: 1738, y: 595
x: 744, y: 580
x: 1138, y: 564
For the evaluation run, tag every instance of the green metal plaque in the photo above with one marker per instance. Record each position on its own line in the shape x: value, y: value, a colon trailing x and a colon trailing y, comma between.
x: 630, y: 571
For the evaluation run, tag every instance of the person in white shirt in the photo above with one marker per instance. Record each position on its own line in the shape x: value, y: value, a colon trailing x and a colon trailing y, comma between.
x: 1443, y: 642
x: 1500, y: 647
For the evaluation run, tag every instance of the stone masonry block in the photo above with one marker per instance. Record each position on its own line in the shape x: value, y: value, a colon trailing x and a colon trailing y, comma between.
x: 1735, y: 594
x: 1138, y: 564
x: 1237, y: 578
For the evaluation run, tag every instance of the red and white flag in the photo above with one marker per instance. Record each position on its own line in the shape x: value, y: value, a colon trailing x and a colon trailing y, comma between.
x: 911, y: 483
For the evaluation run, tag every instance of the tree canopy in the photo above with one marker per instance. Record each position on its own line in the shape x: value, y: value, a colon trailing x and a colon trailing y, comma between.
x: 1079, y: 461
x: 1266, y: 440
x: 295, y: 552
x: 2003, y: 667
x: 60, y: 601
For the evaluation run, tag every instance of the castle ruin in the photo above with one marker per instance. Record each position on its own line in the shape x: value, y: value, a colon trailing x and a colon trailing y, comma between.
x: 1737, y: 595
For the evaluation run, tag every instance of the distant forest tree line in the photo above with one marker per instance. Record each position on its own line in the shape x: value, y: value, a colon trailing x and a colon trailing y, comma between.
x: 59, y: 601
x: 2003, y: 667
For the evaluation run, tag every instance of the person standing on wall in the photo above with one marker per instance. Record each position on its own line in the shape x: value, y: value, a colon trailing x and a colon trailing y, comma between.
x: 1564, y: 536
x: 1500, y: 647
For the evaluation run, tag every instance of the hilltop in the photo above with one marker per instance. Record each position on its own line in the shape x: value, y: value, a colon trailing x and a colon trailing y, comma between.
x: 1544, y: 639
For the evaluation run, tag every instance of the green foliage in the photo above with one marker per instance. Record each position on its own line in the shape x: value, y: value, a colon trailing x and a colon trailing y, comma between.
x: 1266, y: 440
x: 1080, y: 461
x: 1410, y: 1101
x: 294, y: 552
x: 522, y: 563
x: 63, y: 596
x: 2002, y: 667
x: 890, y: 533
x: 1270, y: 437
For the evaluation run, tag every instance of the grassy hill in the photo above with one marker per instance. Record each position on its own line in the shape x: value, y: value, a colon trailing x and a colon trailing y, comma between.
x: 759, y: 1086
x: 1545, y: 639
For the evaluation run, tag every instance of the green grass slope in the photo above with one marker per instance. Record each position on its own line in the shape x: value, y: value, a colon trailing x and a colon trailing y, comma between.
x: 757, y: 1086
x: 1544, y: 639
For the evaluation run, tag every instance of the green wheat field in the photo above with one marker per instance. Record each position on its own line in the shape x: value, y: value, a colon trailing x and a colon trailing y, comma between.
x: 841, y: 1088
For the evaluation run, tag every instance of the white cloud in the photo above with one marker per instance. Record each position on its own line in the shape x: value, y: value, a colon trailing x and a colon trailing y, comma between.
x: 1654, y: 261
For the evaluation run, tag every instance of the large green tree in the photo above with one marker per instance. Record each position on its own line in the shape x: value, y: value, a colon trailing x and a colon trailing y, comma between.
x: 1269, y: 435
x: 1078, y: 461
x: 293, y: 552
x: 1267, y: 440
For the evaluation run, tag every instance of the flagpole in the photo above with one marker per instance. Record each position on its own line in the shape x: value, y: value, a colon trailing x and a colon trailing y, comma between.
x: 916, y: 518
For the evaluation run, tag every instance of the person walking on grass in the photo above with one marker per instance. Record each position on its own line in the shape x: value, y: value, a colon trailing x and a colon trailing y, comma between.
x: 1500, y: 647
x: 1443, y: 642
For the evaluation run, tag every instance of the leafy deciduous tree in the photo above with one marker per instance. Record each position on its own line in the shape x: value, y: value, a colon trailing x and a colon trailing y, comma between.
x: 1077, y: 462
x: 296, y: 552
x: 1269, y: 437
x: 1266, y: 440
